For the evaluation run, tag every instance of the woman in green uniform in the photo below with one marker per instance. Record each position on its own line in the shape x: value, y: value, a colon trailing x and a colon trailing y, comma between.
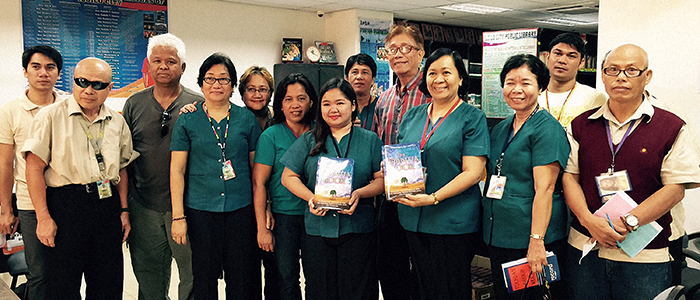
x: 524, y: 208
x: 442, y: 224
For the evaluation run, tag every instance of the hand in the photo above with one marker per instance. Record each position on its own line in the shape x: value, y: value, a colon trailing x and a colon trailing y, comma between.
x: 270, y: 220
x: 602, y: 232
x: 313, y: 210
x: 266, y: 240
x: 126, y: 225
x: 357, y: 122
x: 188, y: 108
x: 536, y: 255
x: 46, y: 231
x: 416, y: 200
x: 179, y: 231
x: 8, y: 223
x: 354, y: 200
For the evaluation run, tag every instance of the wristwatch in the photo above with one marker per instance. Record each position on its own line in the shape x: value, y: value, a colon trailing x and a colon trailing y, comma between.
x: 631, y: 221
x: 435, y: 198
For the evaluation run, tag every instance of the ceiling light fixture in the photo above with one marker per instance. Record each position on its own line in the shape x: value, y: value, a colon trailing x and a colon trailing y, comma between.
x: 474, y: 8
x: 566, y: 22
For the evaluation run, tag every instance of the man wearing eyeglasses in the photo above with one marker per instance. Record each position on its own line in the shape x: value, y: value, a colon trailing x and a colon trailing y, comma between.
x: 151, y: 114
x: 565, y: 98
x: 404, y: 44
x: 77, y: 153
x: 651, y: 150
x: 42, y: 67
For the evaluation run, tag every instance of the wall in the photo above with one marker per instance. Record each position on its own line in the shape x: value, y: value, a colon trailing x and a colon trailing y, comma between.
x: 668, y: 31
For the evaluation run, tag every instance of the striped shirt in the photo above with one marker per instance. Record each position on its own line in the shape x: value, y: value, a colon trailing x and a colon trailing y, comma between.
x: 392, y: 105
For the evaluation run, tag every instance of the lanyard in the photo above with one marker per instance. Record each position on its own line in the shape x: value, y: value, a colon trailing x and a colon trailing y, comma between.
x: 546, y: 97
x: 509, y: 139
x: 292, y: 131
x: 337, y: 150
x: 424, y: 139
x: 614, y: 149
x: 222, y: 144
x: 363, y: 123
x: 96, y: 143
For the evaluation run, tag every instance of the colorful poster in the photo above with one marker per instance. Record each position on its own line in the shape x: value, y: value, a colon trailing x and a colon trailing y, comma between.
x: 372, y: 34
x: 114, y: 30
x: 498, y: 47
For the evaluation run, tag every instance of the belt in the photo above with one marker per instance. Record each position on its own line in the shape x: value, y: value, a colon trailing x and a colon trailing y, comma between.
x: 87, y: 188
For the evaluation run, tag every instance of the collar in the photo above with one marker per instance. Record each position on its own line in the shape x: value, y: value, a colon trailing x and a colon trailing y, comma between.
x: 644, y: 109
x: 74, y: 109
x: 410, y: 85
x: 28, y: 105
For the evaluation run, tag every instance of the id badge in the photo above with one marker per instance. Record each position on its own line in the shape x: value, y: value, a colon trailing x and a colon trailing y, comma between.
x: 104, y: 189
x: 609, y: 184
x: 227, y: 169
x: 496, y: 186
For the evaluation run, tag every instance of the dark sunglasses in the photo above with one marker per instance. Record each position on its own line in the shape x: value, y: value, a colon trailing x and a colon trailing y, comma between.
x: 96, y: 85
x: 164, y: 118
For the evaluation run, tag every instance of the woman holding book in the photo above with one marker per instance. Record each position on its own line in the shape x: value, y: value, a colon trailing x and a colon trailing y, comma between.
x: 340, y: 245
x: 212, y: 151
x: 525, y: 215
x: 281, y: 218
x: 442, y: 223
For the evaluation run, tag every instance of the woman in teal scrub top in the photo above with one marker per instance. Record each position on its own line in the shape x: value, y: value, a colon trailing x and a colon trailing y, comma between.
x: 524, y: 208
x: 281, y: 218
x: 442, y: 224
x: 340, y: 245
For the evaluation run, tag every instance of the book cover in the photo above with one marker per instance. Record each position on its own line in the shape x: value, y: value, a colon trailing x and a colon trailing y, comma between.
x: 333, y: 183
x: 619, y: 205
x: 291, y: 50
x: 403, y: 170
x: 327, y: 52
x: 516, y: 273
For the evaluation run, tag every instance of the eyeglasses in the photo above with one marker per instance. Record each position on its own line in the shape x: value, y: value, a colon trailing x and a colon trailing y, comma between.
x: 164, y: 118
x: 252, y: 90
x: 405, y: 49
x: 631, y: 72
x: 96, y: 85
x: 222, y: 81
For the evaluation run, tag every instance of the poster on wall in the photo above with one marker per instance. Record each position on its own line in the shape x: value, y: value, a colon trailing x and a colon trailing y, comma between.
x: 372, y: 34
x: 116, y: 31
x: 498, y: 47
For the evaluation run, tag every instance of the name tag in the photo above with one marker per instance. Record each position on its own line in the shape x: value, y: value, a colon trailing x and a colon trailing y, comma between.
x: 496, y: 186
x: 104, y: 188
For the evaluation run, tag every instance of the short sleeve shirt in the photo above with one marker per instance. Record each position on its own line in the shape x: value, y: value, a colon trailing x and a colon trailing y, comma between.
x: 365, y: 149
x: 540, y: 141
x: 206, y: 188
x: 272, y: 145
x: 462, y: 133
x: 393, y: 104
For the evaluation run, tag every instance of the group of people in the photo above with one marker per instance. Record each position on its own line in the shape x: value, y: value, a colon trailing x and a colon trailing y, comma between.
x: 221, y: 188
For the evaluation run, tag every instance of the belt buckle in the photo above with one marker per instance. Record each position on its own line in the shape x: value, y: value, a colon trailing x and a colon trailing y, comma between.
x: 88, y: 190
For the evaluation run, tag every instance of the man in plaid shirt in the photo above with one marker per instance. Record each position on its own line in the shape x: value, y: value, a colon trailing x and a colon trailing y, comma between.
x: 404, y: 45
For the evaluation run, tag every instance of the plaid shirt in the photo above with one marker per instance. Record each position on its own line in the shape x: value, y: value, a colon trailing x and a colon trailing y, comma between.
x: 391, y: 106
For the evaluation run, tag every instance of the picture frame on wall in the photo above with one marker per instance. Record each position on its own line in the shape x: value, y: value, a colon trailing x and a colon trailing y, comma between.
x: 459, y: 35
x: 427, y: 31
x: 448, y: 35
x: 438, y: 35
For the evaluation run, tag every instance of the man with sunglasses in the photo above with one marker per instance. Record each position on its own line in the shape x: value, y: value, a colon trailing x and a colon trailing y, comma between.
x: 651, y: 152
x: 42, y: 67
x: 77, y: 153
x: 151, y: 114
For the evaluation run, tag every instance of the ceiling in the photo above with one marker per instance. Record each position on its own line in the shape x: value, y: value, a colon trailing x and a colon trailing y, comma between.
x: 523, y: 13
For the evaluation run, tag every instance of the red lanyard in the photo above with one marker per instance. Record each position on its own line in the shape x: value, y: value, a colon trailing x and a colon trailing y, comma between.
x: 546, y: 97
x: 424, y: 139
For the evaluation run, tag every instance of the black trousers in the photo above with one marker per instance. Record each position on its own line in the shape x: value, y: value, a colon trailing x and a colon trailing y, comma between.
x: 341, y: 268
x: 443, y: 264
x: 398, y: 281
x: 88, y: 243
x: 228, y: 241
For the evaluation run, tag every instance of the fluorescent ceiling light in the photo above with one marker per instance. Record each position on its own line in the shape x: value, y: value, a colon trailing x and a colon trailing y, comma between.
x: 566, y: 22
x: 474, y: 8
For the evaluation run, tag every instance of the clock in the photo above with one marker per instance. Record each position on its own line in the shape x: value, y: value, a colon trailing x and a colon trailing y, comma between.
x: 313, y: 54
